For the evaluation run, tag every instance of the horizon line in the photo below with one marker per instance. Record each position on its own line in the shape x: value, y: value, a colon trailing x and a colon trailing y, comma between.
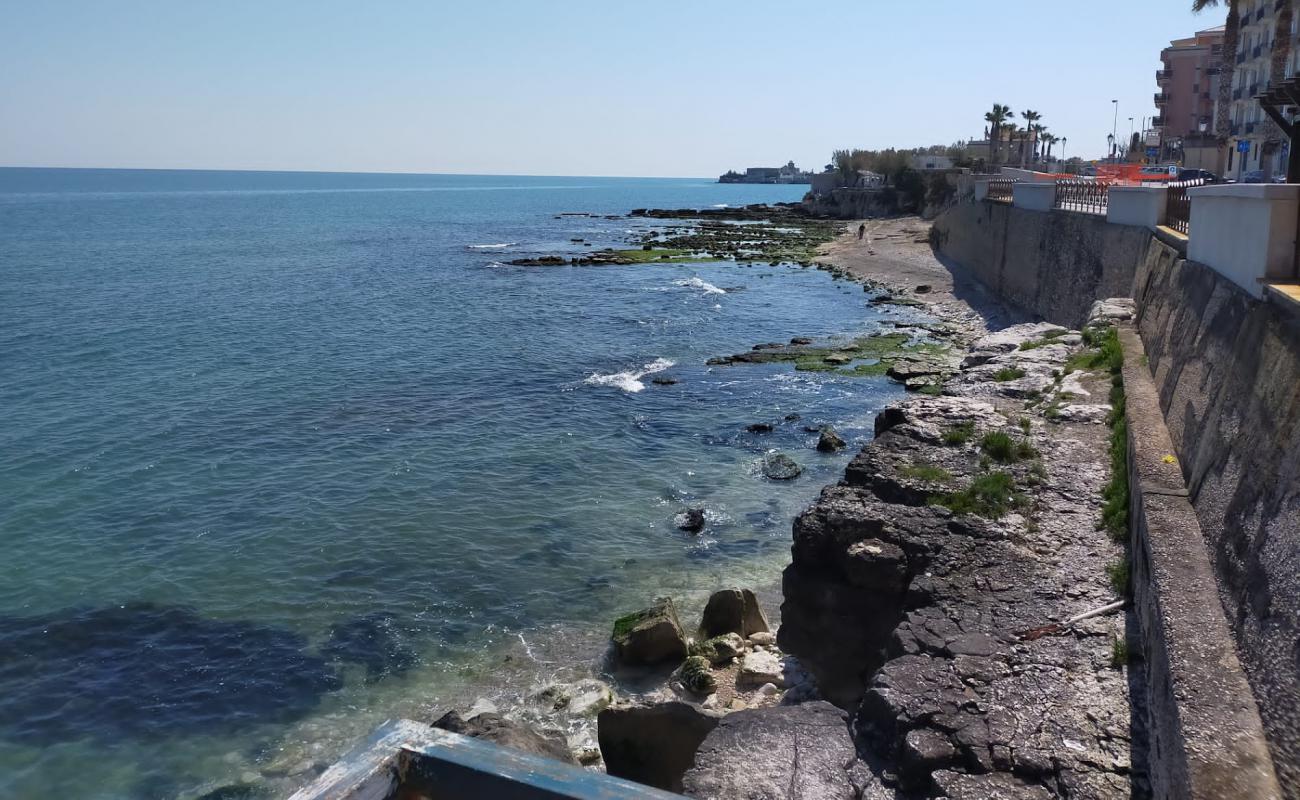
x: 356, y: 172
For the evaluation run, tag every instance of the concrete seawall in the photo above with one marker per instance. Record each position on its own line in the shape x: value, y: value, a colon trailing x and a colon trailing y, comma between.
x: 1053, y: 264
x: 1222, y: 372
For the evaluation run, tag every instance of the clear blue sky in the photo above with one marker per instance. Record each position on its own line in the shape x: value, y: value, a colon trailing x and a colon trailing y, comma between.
x: 556, y: 88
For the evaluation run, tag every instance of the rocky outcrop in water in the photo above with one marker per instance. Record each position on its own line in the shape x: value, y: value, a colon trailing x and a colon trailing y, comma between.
x: 650, y: 636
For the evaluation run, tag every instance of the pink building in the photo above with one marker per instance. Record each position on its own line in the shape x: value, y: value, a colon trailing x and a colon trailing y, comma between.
x: 1189, y: 90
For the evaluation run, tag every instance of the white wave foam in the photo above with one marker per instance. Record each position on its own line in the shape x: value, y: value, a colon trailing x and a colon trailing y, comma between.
x: 721, y: 205
x: 498, y: 246
x: 697, y: 283
x: 496, y: 264
x: 630, y: 380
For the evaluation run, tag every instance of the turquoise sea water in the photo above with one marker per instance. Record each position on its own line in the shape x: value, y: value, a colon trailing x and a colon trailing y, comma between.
x: 282, y: 455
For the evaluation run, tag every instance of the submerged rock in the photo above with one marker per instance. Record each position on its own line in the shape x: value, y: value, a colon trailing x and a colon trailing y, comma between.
x: 829, y: 441
x: 664, y: 380
x: 760, y: 427
x: 691, y: 520
x: 653, y: 744
x: 501, y: 731
x: 780, y: 467
x: 650, y: 636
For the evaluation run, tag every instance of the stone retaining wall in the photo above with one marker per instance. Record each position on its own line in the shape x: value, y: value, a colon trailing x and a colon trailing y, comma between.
x: 1226, y: 368
x: 1205, y: 736
x: 1054, y: 264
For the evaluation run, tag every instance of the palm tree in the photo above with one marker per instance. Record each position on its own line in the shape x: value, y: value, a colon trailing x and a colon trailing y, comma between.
x: 1040, y: 138
x: 995, y: 118
x: 1049, y: 139
x: 1030, y: 117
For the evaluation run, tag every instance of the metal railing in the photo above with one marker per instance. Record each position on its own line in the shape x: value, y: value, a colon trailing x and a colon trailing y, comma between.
x: 1178, y: 206
x: 1089, y: 197
x: 1000, y: 190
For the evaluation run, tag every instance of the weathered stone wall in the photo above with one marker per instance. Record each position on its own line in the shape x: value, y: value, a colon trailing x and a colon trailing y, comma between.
x: 1205, y: 742
x: 1053, y: 264
x: 1227, y: 369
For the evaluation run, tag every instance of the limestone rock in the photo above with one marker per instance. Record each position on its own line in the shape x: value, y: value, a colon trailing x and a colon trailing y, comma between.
x: 758, y: 667
x: 829, y: 441
x: 780, y: 467
x: 799, y: 752
x: 650, y: 636
x: 653, y: 744
x: 498, y: 730
x: 732, y: 611
x: 696, y: 675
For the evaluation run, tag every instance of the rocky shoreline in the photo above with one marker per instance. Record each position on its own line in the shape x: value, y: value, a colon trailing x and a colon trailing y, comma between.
x: 953, y: 621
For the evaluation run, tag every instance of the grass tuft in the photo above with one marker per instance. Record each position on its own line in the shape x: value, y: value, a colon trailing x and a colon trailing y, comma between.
x: 990, y: 495
x: 1003, y: 449
x: 926, y: 472
x: 1008, y: 374
x: 959, y: 434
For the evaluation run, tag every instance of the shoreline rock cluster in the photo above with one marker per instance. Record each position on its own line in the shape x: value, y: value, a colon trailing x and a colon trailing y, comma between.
x: 920, y: 586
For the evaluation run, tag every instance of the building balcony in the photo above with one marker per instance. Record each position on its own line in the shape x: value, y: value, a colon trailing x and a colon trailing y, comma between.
x: 1158, y: 121
x: 1161, y: 98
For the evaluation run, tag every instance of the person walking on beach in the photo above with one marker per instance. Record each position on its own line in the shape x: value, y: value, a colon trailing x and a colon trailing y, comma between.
x: 862, y: 231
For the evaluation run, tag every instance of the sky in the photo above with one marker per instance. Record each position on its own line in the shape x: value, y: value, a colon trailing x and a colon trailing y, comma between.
x: 570, y: 87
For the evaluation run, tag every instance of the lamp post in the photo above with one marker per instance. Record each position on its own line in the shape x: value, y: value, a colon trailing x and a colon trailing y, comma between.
x: 1114, y: 128
x: 1064, y: 140
x: 1110, y: 146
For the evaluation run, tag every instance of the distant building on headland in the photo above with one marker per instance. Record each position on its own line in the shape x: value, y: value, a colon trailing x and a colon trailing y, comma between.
x: 787, y: 174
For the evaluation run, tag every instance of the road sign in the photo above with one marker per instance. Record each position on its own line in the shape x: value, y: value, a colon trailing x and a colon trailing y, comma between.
x: 1243, y: 146
x: 1153, y: 152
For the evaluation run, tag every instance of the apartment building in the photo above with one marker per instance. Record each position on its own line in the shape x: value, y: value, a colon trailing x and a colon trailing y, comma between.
x: 1189, y: 92
x: 1254, y: 141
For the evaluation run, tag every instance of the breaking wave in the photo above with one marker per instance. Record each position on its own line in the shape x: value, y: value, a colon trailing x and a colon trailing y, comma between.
x: 498, y: 246
x: 697, y: 283
x: 630, y: 380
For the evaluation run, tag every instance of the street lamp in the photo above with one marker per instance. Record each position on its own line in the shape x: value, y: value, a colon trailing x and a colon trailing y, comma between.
x: 1110, y: 145
x: 1114, y: 125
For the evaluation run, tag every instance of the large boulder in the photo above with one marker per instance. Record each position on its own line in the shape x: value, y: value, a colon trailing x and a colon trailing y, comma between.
x: 802, y: 752
x: 501, y: 731
x: 780, y: 467
x: 829, y: 441
x: 653, y: 744
x: 650, y: 636
x: 732, y: 611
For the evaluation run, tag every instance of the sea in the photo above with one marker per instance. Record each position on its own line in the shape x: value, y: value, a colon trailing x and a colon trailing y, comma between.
x: 285, y: 455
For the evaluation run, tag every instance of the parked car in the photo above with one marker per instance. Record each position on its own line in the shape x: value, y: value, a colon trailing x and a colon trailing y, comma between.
x: 1197, y: 175
x: 1254, y: 176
